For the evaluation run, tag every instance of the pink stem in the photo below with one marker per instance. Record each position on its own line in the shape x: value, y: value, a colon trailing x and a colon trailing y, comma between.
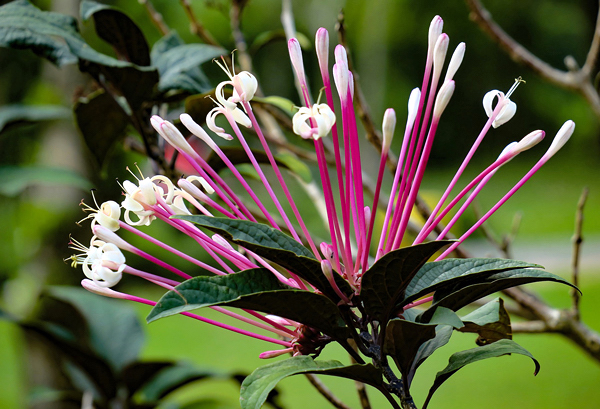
x: 284, y: 186
x: 171, y: 249
x: 212, y: 322
x: 461, y: 169
x: 507, y: 196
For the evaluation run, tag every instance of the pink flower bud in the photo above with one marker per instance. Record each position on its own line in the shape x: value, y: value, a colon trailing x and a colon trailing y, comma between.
x: 322, y: 49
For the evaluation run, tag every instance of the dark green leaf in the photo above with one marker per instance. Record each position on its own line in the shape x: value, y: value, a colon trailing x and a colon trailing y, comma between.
x: 489, y: 285
x: 114, y: 329
x: 135, y: 375
x: 491, y: 321
x: 100, y: 132
x: 275, y: 246
x: 24, y: 26
x: 135, y: 83
x: 257, y: 386
x: 15, y: 179
x: 442, y: 336
x: 437, y: 274
x: 14, y: 114
x: 445, y: 316
x: 117, y: 29
x: 96, y: 369
x: 403, y: 340
x: 172, y: 378
x: 178, y: 64
x: 460, y: 359
x: 255, y: 289
x: 383, y: 285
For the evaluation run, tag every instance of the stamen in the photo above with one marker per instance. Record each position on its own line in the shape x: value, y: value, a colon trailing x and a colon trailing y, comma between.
x: 512, y: 89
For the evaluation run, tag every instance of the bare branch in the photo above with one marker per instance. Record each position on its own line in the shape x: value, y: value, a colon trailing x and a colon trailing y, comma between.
x: 579, y: 80
x: 556, y: 321
x: 196, y: 27
x: 591, y: 60
x: 577, y: 241
x: 156, y: 17
x: 324, y: 390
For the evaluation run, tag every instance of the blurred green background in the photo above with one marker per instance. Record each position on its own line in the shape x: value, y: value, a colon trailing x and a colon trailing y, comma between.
x: 387, y: 42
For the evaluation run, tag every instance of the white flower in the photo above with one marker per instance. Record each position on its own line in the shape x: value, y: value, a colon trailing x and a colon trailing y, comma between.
x: 102, y: 262
x: 507, y: 111
x: 313, y: 123
x: 136, y: 200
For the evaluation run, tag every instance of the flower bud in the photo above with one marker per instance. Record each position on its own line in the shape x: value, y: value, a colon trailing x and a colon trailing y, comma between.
x: 327, y: 269
x: 443, y: 98
x: 196, y: 129
x: 455, y: 61
x: 322, y: 49
x: 171, y: 134
x: 562, y: 136
x: 530, y: 140
x: 389, y: 125
x: 327, y: 250
x: 435, y: 30
x: 413, y: 106
x: 110, y: 237
x: 296, y: 58
x: 439, y: 54
x: 93, y: 287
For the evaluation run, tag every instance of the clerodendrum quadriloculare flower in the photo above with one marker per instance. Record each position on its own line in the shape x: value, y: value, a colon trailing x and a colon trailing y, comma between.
x: 353, y: 243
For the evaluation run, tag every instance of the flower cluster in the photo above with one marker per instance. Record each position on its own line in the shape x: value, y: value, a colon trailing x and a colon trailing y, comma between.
x: 354, y: 244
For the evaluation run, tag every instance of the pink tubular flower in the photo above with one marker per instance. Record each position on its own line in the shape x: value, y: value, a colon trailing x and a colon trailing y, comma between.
x: 353, y: 243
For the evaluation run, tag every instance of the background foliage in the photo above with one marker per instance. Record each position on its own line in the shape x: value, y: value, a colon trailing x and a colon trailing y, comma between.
x: 387, y: 43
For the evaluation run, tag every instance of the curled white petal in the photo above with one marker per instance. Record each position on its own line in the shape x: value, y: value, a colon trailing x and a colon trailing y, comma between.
x: 314, y: 122
x: 241, y: 118
x: 163, y: 180
x: 244, y: 86
x: 108, y: 215
x: 178, y: 205
x: 506, y: 112
x: 205, y: 185
x: 210, y: 122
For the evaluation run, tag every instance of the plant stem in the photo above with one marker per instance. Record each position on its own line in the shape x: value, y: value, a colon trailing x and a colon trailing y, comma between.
x: 324, y: 390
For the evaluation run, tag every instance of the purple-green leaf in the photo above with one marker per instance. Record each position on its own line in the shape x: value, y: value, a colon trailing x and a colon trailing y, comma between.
x: 463, y: 358
x: 275, y: 246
